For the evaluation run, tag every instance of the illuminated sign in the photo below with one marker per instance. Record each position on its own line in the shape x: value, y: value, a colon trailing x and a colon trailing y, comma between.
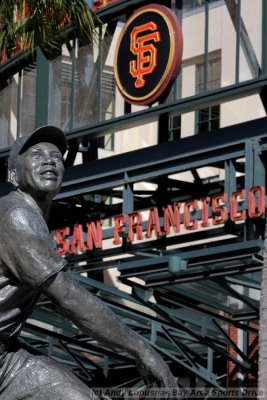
x: 190, y: 215
x: 148, y: 54
x: 101, y: 3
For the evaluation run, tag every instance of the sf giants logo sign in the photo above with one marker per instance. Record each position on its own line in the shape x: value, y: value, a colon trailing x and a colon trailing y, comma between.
x: 144, y: 50
x: 148, y: 54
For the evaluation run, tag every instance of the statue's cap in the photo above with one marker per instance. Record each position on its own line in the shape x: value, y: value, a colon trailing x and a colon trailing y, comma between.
x: 46, y: 133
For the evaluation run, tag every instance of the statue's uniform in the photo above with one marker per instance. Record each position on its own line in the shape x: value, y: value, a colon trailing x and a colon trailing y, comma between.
x: 27, y: 260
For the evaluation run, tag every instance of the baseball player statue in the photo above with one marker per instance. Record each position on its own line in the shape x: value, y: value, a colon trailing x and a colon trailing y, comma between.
x: 30, y: 266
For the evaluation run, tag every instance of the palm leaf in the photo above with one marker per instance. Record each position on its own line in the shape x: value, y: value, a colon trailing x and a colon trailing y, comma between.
x: 48, y: 24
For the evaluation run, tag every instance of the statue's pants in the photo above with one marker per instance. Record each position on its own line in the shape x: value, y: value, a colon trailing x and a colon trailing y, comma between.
x: 27, y: 376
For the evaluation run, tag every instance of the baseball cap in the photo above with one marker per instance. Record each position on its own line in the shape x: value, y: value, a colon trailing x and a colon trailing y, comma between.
x: 46, y: 133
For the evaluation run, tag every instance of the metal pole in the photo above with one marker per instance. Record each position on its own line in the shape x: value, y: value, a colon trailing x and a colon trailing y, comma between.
x: 74, y: 56
x: 42, y: 89
x: 238, y: 30
x: 264, y: 36
x: 206, y: 52
x: 19, y: 102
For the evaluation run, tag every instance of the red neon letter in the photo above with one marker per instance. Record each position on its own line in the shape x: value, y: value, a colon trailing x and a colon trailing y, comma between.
x: 77, y: 240
x: 188, y: 224
x: 135, y: 226
x: 220, y: 211
x: 119, y: 228
x: 234, y: 214
x: 256, y: 195
x: 61, y: 240
x: 172, y: 216
x: 205, y: 211
x: 94, y: 235
x: 101, y: 3
x: 153, y: 223
x: 97, y: 5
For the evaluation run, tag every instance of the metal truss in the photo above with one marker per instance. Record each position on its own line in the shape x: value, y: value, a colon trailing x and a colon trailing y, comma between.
x: 186, y: 313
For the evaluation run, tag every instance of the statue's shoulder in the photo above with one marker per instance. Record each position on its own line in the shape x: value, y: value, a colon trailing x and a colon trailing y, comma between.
x: 14, y: 208
x: 11, y: 201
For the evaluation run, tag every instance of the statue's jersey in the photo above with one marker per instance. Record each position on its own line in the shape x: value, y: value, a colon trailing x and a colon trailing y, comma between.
x: 27, y: 260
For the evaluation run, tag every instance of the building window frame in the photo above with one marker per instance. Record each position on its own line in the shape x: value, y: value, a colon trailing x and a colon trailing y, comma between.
x: 208, y: 118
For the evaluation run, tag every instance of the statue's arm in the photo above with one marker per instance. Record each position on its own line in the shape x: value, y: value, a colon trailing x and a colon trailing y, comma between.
x: 96, y: 319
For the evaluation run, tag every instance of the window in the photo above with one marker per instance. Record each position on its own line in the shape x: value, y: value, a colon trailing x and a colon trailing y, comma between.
x: 193, y: 4
x: 175, y: 123
x: 214, y: 74
x: 175, y: 128
x: 60, y: 89
x: 65, y: 104
x: 17, y: 99
x: 208, y: 118
x: 27, y: 106
x: 107, y: 107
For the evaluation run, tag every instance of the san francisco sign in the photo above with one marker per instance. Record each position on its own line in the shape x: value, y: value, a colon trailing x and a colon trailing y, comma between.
x: 190, y: 215
x: 148, y: 54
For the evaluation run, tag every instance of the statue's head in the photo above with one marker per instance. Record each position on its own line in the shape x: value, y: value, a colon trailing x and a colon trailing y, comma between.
x: 36, y: 161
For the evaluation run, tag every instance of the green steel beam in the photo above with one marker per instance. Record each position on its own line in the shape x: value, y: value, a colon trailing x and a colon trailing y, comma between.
x: 238, y: 34
x: 206, y: 46
x: 197, y: 258
x: 112, y: 10
x: 178, y: 107
x: 253, y: 304
x: 246, y: 43
x: 204, y: 339
x: 151, y: 114
x: 42, y: 89
x: 186, y: 302
x: 245, y: 282
x: 166, y: 158
x: 19, y: 101
x: 264, y: 39
x: 230, y: 341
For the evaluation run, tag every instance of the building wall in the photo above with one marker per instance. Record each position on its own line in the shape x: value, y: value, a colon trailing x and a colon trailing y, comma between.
x: 20, y: 94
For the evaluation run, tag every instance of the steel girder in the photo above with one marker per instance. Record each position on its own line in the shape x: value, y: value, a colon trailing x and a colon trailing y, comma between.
x: 186, y: 325
x: 187, y: 314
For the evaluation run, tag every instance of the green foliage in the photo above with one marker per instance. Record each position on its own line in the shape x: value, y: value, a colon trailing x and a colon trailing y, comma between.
x: 44, y: 23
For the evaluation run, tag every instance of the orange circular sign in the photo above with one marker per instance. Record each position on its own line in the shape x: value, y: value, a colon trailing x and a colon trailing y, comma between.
x: 148, y: 54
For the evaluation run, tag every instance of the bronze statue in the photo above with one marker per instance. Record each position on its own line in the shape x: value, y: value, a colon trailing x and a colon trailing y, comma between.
x: 29, y: 266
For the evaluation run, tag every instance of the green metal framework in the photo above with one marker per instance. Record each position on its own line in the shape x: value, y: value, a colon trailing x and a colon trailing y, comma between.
x: 189, y: 323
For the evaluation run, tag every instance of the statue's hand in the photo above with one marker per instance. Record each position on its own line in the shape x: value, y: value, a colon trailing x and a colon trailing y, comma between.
x: 155, y: 371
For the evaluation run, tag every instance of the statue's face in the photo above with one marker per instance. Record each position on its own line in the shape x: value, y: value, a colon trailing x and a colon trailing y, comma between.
x: 40, y: 170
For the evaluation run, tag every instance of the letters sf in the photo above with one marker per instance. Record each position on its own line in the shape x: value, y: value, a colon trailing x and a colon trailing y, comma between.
x: 145, y: 52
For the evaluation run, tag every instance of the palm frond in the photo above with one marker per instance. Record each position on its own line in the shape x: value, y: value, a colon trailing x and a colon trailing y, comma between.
x: 44, y: 23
